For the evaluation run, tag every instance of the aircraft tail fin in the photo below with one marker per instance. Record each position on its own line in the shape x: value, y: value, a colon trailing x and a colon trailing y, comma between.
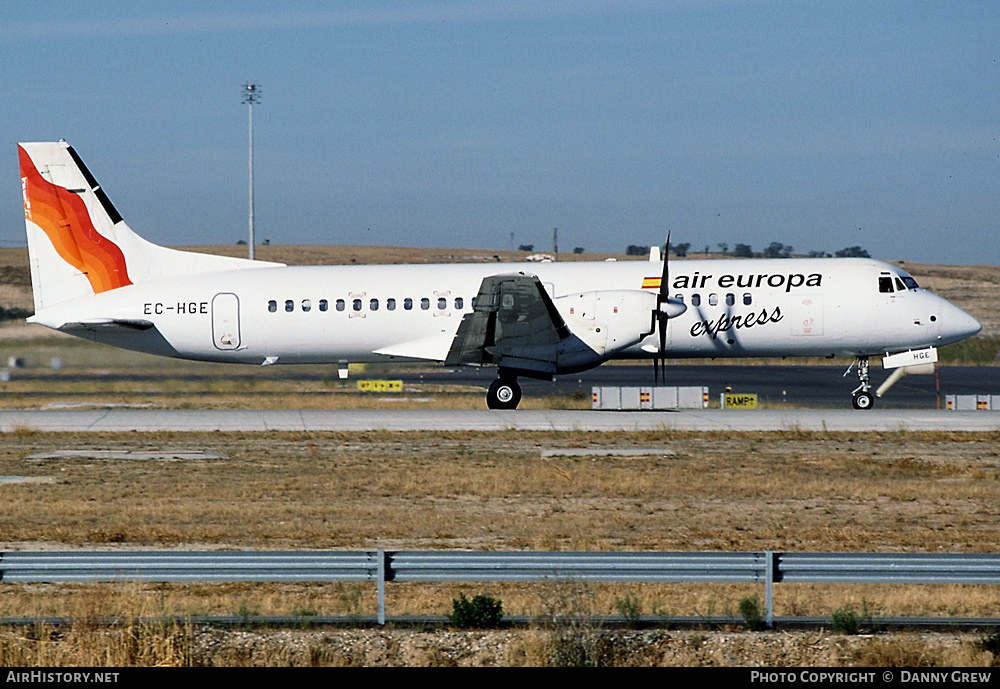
x: 78, y: 244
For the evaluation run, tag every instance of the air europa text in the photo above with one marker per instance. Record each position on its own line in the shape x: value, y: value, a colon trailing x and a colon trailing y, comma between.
x: 748, y: 280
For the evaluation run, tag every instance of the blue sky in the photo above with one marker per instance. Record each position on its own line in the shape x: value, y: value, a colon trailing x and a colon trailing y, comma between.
x: 820, y: 125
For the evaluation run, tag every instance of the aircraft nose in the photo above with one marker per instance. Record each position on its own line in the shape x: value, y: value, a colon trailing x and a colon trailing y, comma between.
x: 971, y: 326
x: 957, y: 325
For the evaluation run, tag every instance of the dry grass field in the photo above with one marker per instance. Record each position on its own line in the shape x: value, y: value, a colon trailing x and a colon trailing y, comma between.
x: 748, y: 491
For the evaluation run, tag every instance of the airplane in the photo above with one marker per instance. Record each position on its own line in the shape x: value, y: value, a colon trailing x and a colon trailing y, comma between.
x: 95, y: 278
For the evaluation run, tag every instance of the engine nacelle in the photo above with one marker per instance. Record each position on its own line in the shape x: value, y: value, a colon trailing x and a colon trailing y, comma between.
x: 604, y: 323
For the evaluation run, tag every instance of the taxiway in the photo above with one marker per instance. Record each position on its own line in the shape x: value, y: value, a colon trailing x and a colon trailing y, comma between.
x: 118, y: 420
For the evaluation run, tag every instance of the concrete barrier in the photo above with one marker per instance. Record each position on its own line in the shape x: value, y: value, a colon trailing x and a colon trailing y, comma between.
x: 651, y: 398
x: 972, y: 402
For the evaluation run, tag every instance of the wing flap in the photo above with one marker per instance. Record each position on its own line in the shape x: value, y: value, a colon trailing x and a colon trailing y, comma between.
x: 514, y: 324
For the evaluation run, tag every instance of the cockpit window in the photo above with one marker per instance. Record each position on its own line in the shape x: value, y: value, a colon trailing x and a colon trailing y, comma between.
x: 888, y: 284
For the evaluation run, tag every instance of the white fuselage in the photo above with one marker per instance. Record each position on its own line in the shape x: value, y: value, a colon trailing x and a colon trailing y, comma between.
x: 329, y: 314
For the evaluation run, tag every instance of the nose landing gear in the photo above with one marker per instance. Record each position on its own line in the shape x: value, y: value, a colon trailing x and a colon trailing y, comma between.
x: 862, y: 396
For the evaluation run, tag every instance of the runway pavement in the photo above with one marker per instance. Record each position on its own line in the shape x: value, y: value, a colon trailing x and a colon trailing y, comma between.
x: 118, y: 420
x: 796, y: 385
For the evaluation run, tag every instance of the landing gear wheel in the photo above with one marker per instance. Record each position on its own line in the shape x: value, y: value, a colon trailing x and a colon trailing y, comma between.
x: 504, y: 393
x: 863, y: 400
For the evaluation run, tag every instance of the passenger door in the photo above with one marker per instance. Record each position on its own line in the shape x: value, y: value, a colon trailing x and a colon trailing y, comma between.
x: 226, y: 321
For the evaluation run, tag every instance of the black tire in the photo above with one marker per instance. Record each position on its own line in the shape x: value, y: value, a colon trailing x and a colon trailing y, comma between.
x: 504, y: 393
x: 864, y: 400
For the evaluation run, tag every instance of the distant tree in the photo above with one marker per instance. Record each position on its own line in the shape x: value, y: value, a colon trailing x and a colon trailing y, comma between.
x: 681, y: 250
x: 526, y: 247
x: 636, y: 250
x: 777, y: 250
x: 241, y: 242
x: 578, y: 250
x: 706, y: 248
x: 852, y: 252
x: 818, y: 254
x: 743, y: 251
x: 12, y: 313
x: 723, y: 247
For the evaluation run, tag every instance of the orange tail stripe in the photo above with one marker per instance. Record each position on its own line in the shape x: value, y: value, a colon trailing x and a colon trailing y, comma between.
x: 63, y: 217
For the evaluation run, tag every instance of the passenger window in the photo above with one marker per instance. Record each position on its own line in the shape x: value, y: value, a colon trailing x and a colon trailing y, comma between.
x: 306, y: 305
x: 289, y: 305
x: 341, y: 305
x: 272, y: 306
x: 373, y: 304
x: 390, y: 304
x: 885, y: 285
x: 323, y: 304
x: 747, y: 298
x: 679, y: 297
x: 408, y: 304
x: 425, y: 303
x: 730, y: 299
x: 356, y: 305
x: 695, y: 300
x: 459, y: 303
x: 442, y: 303
x: 713, y: 299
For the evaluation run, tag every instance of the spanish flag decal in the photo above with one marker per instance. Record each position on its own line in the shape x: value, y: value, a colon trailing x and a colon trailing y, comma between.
x: 651, y: 283
x: 62, y: 215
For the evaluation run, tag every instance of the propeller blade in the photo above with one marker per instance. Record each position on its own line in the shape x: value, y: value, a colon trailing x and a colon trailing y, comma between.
x: 659, y: 361
x: 665, y: 277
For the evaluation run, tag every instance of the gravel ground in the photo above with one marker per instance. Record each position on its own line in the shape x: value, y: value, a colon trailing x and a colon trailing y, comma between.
x: 734, y: 648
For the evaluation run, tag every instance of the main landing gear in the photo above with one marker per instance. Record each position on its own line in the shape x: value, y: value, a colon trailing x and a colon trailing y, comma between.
x: 504, y: 392
x: 863, y: 398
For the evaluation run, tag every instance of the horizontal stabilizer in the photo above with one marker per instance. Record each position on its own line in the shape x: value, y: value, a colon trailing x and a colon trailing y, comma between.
x: 108, y: 323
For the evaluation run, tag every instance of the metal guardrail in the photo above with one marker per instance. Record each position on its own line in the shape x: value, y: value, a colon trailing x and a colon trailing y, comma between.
x: 184, y: 566
x: 879, y: 568
x: 578, y: 566
x: 766, y: 567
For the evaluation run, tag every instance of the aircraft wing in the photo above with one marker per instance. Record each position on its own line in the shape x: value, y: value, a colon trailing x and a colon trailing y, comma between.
x: 514, y: 324
x: 432, y: 348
